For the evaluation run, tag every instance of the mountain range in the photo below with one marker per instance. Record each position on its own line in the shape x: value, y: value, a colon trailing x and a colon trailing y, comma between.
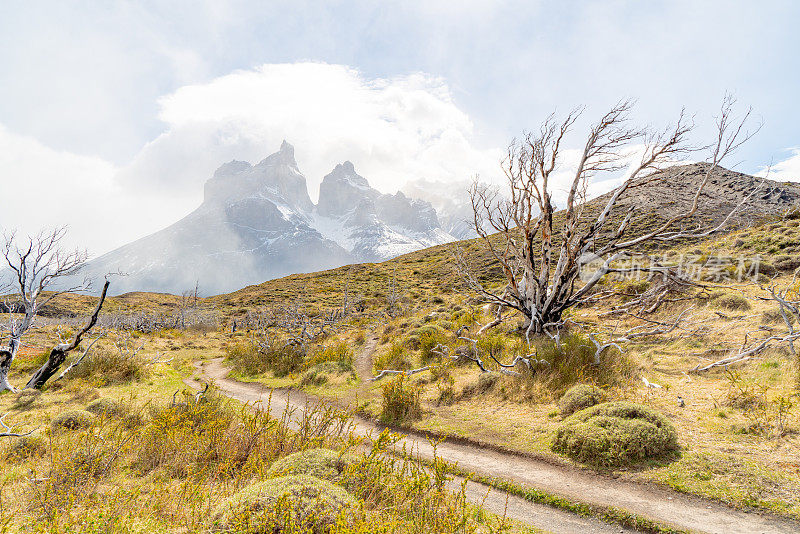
x: 258, y: 222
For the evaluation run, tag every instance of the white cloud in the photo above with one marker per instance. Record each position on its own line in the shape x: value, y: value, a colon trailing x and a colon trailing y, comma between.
x: 787, y: 170
x: 42, y: 187
x: 393, y: 130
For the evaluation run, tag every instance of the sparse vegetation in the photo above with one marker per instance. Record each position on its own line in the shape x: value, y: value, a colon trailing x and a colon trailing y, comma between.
x: 106, y: 407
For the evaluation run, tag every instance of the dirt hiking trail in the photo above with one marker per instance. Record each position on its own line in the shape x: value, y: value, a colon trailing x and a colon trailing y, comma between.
x: 680, y: 511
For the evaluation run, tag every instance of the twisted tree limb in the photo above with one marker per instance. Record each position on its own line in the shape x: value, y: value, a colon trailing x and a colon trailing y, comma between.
x: 9, y: 431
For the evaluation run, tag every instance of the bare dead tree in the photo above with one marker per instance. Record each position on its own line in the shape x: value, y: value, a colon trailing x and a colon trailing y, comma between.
x: 35, y: 265
x: 394, y: 297
x: 58, y: 354
x: 541, y: 263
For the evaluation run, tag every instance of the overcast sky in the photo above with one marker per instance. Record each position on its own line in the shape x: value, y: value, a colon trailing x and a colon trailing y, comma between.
x: 113, y: 114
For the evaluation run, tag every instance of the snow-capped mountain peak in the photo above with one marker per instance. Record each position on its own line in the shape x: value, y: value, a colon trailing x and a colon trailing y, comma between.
x: 258, y: 222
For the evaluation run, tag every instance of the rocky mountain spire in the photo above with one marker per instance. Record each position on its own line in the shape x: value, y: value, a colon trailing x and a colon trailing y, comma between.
x: 275, y: 177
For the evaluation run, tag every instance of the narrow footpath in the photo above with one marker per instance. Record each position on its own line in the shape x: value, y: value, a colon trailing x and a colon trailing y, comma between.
x: 678, y: 510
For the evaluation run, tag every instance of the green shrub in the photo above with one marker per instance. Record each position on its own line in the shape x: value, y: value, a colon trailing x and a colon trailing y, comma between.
x: 400, y: 401
x: 299, y: 503
x: 429, y: 338
x: 108, y: 407
x: 615, y: 434
x: 492, y: 344
x: 72, y: 420
x: 339, y: 353
x: 321, y: 463
x: 245, y: 359
x: 579, y: 397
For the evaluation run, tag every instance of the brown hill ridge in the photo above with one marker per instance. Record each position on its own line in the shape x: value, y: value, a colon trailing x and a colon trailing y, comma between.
x: 671, y: 191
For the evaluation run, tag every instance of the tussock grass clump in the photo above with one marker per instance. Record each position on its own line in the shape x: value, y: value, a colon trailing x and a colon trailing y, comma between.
x: 401, y: 401
x: 105, y: 367
x: 107, y: 407
x: 580, y: 397
x: 280, y: 358
x: 72, y: 420
x: 787, y: 263
x: 485, y: 383
x: 774, y: 316
x: 629, y: 289
x: 299, y: 503
x: 26, y: 447
x: 615, y: 434
x: 321, y: 373
x: 321, y: 463
x: 572, y: 362
x: 732, y: 301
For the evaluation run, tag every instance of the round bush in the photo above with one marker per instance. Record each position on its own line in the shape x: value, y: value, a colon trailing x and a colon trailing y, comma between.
x: 296, y: 503
x: 321, y: 463
x: 615, y: 434
x: 579, y: 397
x: 110, y: 408
x: 72, y: 420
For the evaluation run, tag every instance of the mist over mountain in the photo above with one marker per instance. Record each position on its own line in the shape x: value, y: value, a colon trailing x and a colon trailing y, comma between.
x: 451, y: 202
x: 258, y: 222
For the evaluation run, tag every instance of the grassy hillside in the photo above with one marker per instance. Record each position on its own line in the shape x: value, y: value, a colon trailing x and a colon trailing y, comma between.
x: 738, y: 427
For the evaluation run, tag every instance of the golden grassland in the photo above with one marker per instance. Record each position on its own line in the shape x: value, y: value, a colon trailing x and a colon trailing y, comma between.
x: 137, y: 463
x: 738, y: 430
